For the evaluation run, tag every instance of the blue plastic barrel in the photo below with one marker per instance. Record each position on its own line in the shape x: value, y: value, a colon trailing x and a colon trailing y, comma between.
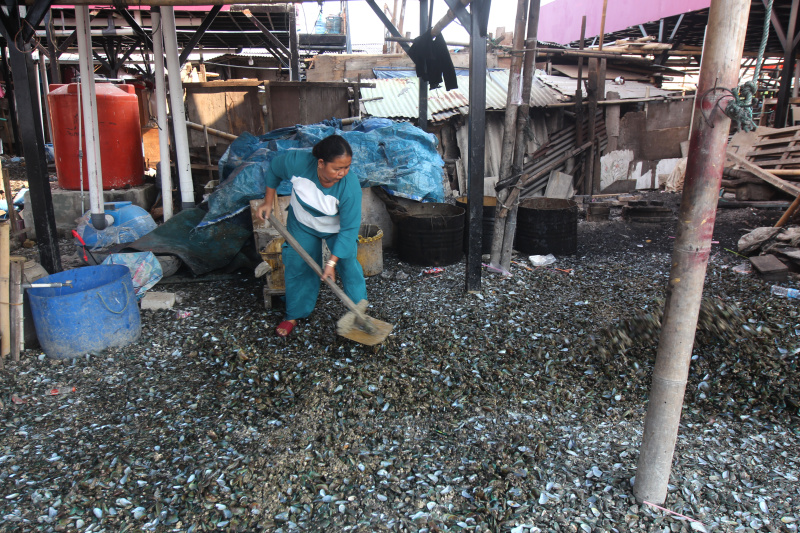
x: 126, y: 216
x: 98, y: 311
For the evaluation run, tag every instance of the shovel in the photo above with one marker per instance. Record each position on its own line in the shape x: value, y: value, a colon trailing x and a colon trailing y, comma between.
x: 355, y: 325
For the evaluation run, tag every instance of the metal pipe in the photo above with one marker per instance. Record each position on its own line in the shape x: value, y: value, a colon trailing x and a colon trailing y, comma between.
x: 183, y: 163
x: 91, y: 133
x: 164, y: 167
x: 727, y: 25
x: 422, y: 120
x: 477, y: 148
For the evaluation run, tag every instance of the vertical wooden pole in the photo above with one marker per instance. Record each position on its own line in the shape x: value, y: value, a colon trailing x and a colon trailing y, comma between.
x: 584, y: 187
x: 727, y: 25
x: 15, y: 300
x: 591, y: 119
x: 294, y: 50
x: 523, y: 118
x: 603, y: 25
x: 513, y: 101
x: 612, y: 121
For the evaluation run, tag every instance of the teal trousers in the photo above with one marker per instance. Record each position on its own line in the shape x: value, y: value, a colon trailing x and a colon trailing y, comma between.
x: 302, y: 283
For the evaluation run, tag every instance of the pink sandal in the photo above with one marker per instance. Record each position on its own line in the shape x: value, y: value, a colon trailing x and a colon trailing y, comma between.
x: 287, y: 326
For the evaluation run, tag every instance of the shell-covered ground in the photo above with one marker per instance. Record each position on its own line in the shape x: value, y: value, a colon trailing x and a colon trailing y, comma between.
x: 518, y: 409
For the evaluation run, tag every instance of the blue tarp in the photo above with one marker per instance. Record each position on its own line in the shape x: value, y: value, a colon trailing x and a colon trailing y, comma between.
x: 398, y: 156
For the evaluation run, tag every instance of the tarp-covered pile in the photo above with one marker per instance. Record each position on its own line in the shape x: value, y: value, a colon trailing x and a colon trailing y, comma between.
x: 400, y: 157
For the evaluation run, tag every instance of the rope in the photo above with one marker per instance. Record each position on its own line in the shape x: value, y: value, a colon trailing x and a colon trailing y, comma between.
x: 764, y: 36
x: 127, y: 301
x: 740, y: 109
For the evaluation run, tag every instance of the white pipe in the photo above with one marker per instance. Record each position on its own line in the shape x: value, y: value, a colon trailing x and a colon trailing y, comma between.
x: 45, y: 90
x: 91, y: 128
x: 183, y: 163
x: 165, y: 169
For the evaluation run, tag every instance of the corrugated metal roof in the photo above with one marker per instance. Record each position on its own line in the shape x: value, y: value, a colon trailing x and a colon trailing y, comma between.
x: 630, y: 89
x: 399, y: 97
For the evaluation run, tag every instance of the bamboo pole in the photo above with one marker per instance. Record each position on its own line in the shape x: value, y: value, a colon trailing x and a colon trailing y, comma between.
x: 12, y: 213
x: 446, y: 19
x: 523, y: 118
x: 5, y: 325
x: 788, y: 214
x: 509, y: 131
x: 15, y: 301
x: 727, y: 25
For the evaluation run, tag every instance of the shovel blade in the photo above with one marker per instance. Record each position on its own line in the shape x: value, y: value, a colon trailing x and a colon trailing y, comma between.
x: 379, y: 330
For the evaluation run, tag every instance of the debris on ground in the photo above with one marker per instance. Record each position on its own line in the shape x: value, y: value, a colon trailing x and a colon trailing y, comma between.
x: 502, y: 412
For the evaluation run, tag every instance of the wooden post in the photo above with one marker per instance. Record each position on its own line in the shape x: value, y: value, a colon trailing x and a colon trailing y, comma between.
x: 523, y: 117
x: 15, y: 301
x: 294, y: 49
x: 612, y: 121
x: 583, y: 183
x: 727, y: 25
x: 592, y: 122
x: 509, y: 129
x: 603, y: 25
x: 400, y: 24
x: 601, y: 95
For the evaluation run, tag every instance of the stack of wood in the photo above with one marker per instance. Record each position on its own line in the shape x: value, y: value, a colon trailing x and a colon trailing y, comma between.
x: 642, y: 45
x: 554, y: 158
x: 11, y: 273
x: 771, y: 156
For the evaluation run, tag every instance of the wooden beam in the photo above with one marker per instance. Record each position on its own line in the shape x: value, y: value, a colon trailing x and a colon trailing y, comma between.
x: 769, y: 177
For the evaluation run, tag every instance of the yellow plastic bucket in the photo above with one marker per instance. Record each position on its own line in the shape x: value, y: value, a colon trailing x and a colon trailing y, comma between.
x: 370, y: 249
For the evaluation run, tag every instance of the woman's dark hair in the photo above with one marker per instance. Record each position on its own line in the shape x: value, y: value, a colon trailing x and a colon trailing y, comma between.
x: 331, y: 147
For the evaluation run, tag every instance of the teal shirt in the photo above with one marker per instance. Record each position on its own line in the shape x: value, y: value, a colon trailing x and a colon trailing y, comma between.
x: 317, y: 206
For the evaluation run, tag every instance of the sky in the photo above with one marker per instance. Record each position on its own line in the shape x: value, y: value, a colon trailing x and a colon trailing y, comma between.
x: 366, y: 28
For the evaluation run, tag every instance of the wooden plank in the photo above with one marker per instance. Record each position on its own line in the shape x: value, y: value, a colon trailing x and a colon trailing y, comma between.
x: 772, y: 179
x: 773, y: 151
x: 559, y: 185
x: 781, y: 131
x: 770, y: 268
x: 767, y: 164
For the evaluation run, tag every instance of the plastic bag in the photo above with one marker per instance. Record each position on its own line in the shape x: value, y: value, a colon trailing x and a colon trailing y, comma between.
x: 400, y: 157
x: 542, y: 260
x: 144, y: 266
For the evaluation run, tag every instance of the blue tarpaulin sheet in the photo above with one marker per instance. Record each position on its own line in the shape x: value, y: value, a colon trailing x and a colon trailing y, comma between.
x: 398, y: 156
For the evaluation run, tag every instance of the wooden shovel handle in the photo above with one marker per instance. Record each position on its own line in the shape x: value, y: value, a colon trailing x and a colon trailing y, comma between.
x: 313, y: 264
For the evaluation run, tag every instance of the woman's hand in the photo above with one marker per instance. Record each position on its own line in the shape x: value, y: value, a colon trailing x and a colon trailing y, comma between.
x: 263, y: 211
x: 330, y: 269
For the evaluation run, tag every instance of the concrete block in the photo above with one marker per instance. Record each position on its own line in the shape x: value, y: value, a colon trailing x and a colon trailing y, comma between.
x: 158, y: 300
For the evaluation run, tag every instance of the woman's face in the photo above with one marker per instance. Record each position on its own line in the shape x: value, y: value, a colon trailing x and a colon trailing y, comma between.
x: 330, y: 173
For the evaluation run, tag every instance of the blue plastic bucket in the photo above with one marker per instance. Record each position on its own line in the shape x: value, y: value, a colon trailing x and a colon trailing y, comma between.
x: 99, y: 311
